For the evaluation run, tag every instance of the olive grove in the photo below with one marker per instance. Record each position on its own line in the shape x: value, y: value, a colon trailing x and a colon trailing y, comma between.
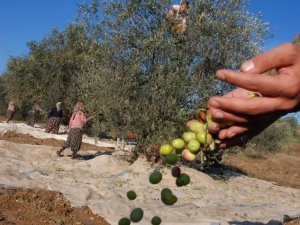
x: 124, y: 60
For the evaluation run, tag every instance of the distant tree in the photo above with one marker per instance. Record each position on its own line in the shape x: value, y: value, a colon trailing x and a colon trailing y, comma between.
x: 297, y: 39
x: 49, y: 73
x: 2, y: 97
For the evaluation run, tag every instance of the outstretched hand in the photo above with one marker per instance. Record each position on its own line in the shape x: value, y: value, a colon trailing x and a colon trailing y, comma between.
x: 93, y: 116
x: 280, y: 93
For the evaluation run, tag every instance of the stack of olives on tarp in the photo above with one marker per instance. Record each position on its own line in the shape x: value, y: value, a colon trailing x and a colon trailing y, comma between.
x: 167, y: 196
x: 197, y: 141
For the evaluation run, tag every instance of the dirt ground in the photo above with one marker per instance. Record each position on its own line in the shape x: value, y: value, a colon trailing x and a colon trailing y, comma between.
x: 28, y: 139
x: 282, y: 168
x: 35, y: 207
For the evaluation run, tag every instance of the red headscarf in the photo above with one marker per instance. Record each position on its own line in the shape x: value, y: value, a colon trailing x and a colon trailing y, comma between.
x: 79, y: 106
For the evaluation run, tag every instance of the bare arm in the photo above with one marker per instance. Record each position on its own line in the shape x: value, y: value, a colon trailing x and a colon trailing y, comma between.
x: 171, y: 13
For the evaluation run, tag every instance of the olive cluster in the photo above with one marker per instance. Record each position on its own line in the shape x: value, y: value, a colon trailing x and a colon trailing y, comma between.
x: 195, y: 144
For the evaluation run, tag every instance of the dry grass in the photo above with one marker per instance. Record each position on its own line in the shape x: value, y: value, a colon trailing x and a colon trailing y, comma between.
x: 2, y: 118
x: 282, y: 168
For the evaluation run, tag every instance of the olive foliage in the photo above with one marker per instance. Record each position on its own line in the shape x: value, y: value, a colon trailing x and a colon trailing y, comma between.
x: 153, y: 78
x: 50, y: 71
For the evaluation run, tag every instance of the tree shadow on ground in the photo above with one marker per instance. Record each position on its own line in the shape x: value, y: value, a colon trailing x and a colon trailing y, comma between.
x: 92, y: 156
x: 271, y: 222
x: 217, y: 171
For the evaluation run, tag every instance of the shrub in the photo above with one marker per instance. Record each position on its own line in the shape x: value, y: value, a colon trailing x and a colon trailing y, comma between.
x: 274, y: 138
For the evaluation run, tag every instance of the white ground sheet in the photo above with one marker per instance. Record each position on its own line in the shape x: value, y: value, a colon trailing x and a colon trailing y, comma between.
x: 103, y: 181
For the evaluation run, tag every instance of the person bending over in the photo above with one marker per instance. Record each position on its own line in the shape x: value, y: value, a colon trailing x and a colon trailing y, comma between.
x: 54, y: 118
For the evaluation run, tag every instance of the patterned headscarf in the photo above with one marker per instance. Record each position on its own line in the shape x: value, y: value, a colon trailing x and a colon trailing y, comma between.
x: 58, y: 106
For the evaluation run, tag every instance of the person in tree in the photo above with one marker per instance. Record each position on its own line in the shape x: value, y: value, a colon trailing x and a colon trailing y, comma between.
x: 10, y: 111
x: 33, y: 113
x: 76, y: 123
x: 178, y: 13
x: 54, y: 118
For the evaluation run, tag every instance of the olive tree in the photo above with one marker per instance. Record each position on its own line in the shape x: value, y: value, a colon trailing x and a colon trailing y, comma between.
x: 150, y: 78
x: 49, y: 72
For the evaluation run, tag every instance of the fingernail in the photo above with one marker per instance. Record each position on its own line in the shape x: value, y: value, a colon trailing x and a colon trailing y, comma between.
x: 247, y: 66
x: 214, y: 128
x: 220, y: 75
x: 214, y: 103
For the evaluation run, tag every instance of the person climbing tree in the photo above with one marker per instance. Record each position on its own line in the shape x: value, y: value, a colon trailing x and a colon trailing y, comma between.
x: 178, y: 14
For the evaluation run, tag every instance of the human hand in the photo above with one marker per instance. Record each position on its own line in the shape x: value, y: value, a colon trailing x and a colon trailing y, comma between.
x: 92, y: 116
x: 280, y: 93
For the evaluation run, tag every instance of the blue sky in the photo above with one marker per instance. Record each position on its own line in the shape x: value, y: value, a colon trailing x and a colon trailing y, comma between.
x: 25, y: 20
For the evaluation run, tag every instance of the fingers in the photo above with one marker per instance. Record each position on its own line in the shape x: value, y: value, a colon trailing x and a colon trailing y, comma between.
x: 253, y: 106
x: 281, y: 56
x: 220, y: 116
x: 228, y: 143
x: 232, y: 131
x: 251, y: 129
x: 286, y: 84
x: 239, y: 93
x: 214, y: 127
x: 265, y: 84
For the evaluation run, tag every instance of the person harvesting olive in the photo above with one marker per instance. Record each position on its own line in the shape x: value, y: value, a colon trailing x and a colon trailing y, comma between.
x: 54, y: 118
x: 76, y: 123
x: 10, y: 111
x: 178, y: 14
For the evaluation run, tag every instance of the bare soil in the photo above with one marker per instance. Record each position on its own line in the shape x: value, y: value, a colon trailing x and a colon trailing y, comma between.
x: 30, y: 207
x: 282, y: 168
x: 28, y: 139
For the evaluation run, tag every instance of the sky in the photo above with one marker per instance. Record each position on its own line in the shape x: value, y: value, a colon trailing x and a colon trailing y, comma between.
x: 25, y: 20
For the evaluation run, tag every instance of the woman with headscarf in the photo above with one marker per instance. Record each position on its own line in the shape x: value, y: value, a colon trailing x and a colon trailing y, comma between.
x: 76, y: 123
x: 10, y: 111
x: 54, y: 118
